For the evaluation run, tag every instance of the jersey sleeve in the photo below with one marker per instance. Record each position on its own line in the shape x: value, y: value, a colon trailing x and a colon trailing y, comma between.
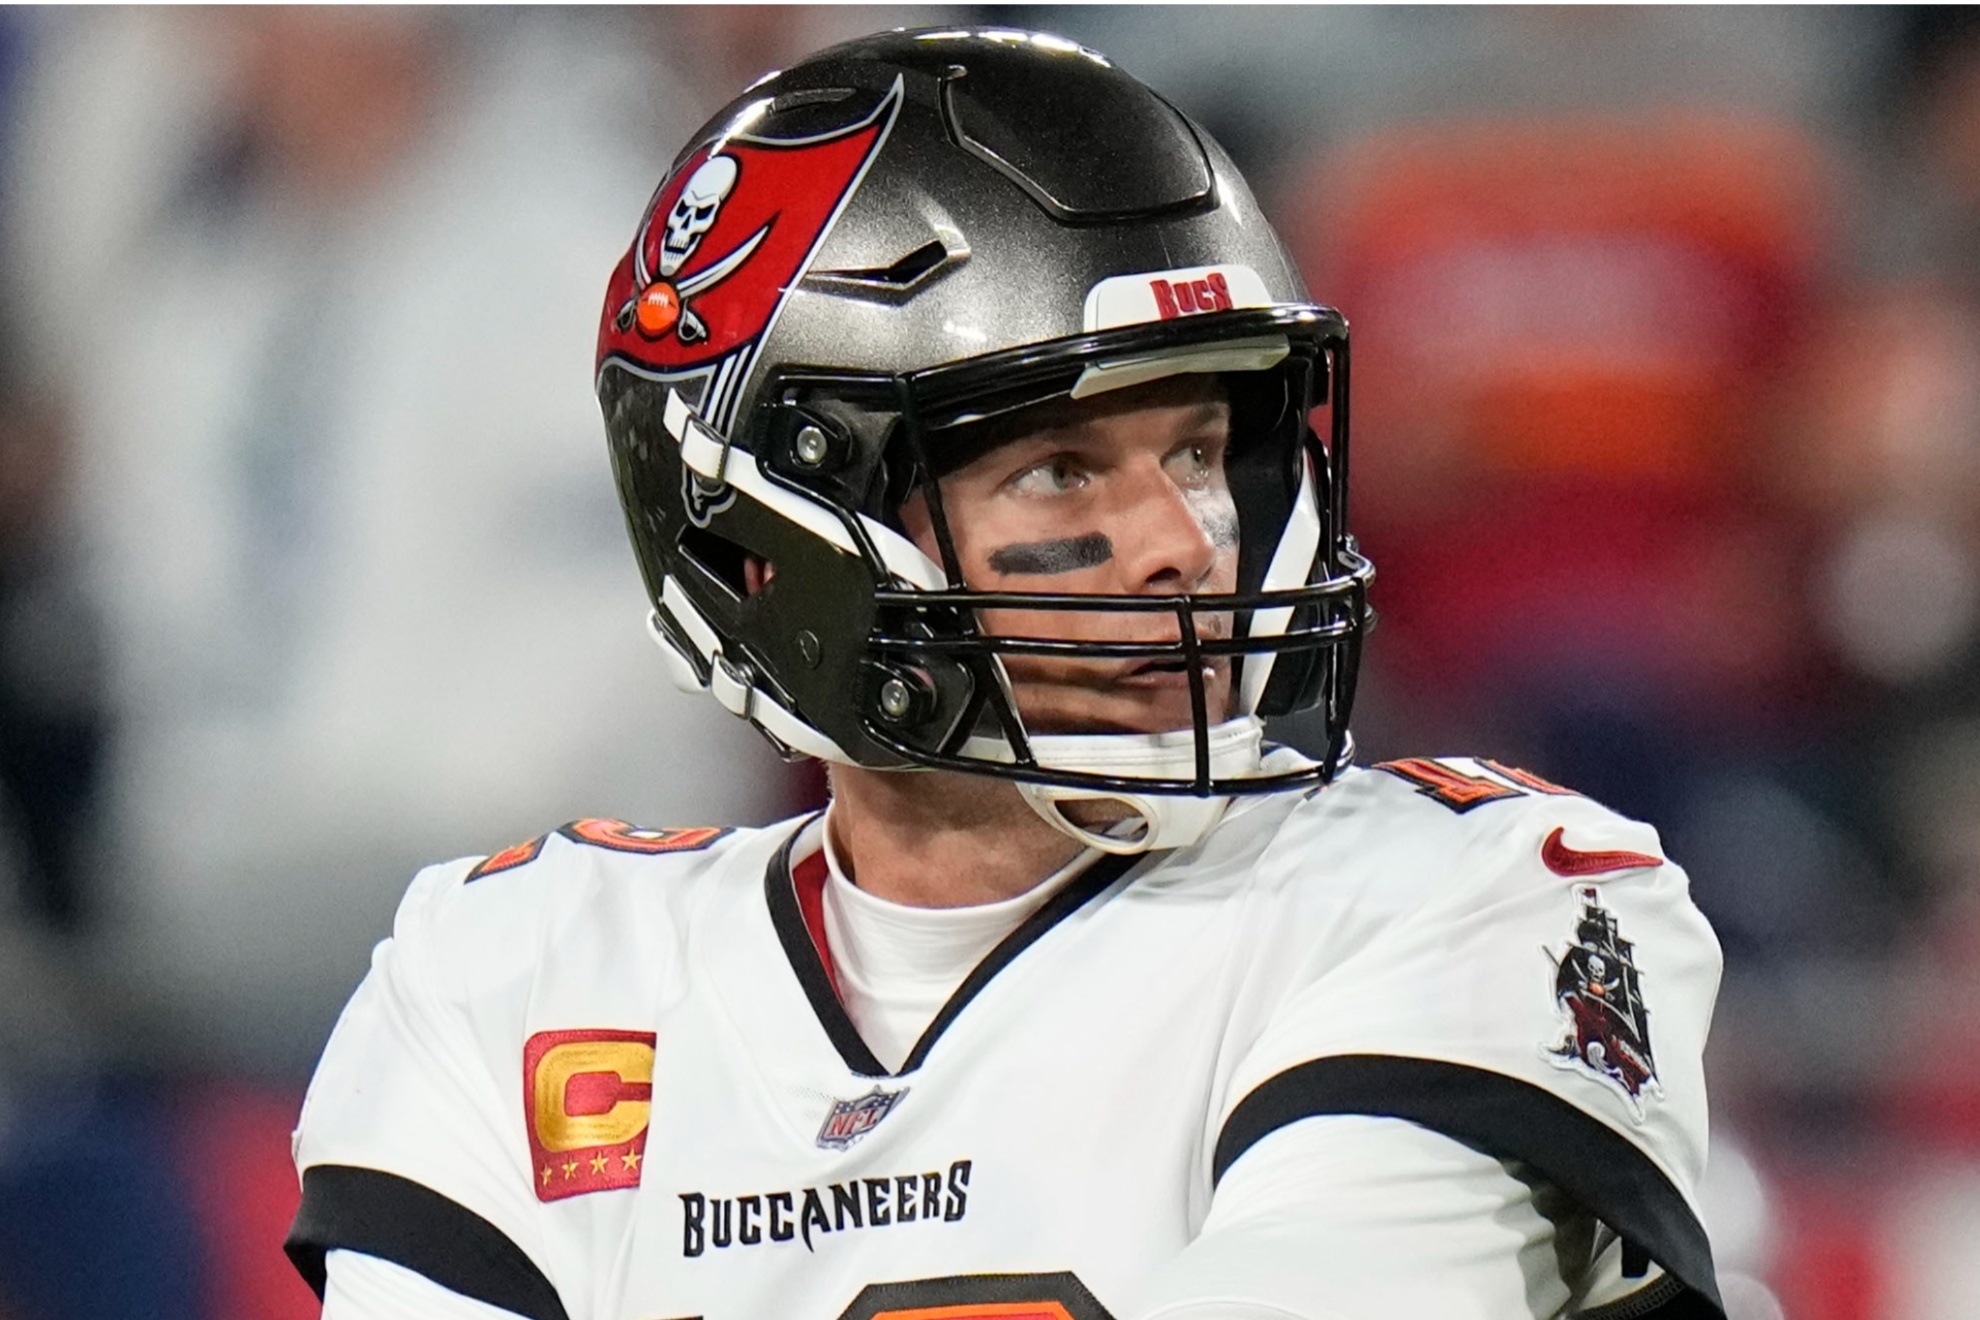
x: 408, y: 1148
x: 358, y: 1287
x: 1545, y: 1003
x: 1348, y: 1217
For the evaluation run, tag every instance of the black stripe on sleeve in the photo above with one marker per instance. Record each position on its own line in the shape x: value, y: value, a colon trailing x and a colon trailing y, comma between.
x: 396, y: 1219
x: 1507, y: 1119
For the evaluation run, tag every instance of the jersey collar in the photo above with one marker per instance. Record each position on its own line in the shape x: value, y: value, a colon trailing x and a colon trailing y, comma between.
x: 794, y: 887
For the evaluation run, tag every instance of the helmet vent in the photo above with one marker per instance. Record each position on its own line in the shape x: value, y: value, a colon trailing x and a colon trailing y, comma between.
x: 794, y: 116
x: 1088, y: 143
x: 888, y: 283
x: 810, y: 96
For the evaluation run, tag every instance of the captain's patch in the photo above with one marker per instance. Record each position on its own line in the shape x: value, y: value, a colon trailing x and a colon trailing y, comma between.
x: 587, y: 1096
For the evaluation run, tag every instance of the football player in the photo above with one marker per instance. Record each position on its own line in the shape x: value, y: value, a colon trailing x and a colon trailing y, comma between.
x: 976, y: 437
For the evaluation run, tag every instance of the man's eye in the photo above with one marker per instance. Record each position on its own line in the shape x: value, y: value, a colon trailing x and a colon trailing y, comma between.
x: 1055, y: 476
x: 1194, y: 463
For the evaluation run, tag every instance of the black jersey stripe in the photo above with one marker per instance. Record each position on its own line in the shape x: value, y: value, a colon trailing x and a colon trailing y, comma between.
x: 1508, y: 1119
x: 785, y: 915
x: 781, y: 892
x: 396, y: 1219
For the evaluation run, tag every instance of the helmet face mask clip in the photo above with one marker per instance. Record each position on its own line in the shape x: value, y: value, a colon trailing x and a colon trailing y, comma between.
x: 793, y: 430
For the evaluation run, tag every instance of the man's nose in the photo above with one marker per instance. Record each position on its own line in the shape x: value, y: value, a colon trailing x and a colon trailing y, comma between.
x: 1164, y: 545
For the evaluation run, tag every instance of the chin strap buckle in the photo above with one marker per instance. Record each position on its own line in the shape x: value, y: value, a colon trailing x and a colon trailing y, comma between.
x: 1151, y: 821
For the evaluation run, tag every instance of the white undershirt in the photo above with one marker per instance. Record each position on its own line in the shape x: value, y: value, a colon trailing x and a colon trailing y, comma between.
x: 898, y: 964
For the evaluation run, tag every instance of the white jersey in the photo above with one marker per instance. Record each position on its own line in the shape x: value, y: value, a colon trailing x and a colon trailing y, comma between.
x: 605, y: 1075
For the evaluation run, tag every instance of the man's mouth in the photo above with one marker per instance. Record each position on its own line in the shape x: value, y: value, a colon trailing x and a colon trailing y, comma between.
x: 1150, y: 696
x: 1166, y: 673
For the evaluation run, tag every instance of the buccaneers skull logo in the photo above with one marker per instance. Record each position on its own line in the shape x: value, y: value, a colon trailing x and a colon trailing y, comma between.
x: 1605, y: 1023
x: 663, y: 301
x: 726, y: 239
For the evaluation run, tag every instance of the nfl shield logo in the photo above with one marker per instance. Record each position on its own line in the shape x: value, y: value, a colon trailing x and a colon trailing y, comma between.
x: 852, y: 1119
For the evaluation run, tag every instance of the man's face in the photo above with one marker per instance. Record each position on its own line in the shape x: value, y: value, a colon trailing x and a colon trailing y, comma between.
x: 1122, y: 494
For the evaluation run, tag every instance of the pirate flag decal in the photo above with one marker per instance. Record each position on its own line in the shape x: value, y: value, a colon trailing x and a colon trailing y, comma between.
x: 1606, y: 1025
x: 725, y: 239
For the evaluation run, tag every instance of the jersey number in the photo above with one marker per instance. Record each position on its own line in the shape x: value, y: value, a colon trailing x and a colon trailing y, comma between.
x: 615, y: 835
x: 1453, y: 788
x: 1058, y: 1296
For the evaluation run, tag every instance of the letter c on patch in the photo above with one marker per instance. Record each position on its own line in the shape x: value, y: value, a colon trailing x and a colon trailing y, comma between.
x: 617, y: 1072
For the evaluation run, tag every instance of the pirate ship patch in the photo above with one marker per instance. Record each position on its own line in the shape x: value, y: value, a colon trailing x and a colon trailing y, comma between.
x: 1605, y: 1023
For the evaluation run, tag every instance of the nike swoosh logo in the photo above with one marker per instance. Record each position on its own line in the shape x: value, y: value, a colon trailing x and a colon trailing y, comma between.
x: 1563, y: 860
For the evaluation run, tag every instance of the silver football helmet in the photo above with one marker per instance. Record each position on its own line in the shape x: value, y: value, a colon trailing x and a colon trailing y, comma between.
x: 868, y: 254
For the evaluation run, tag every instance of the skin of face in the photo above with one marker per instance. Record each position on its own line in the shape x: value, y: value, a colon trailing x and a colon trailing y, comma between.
x: 1121, y: 494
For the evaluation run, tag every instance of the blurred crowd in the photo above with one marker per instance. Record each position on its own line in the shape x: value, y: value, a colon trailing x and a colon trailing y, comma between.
x: 1667, y: 448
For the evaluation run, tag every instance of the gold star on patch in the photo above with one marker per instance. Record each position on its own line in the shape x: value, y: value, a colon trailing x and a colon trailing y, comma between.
x: 570, y: 1170
x: 598, y: 1163
x: 546, y: 1175
x: 631, y: 1160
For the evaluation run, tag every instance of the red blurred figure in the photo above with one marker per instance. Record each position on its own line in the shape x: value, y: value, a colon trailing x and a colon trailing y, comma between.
x: 1571, y: 326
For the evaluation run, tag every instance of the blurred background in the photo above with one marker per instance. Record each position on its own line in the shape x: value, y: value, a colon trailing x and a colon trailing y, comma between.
x: 1667, y: 447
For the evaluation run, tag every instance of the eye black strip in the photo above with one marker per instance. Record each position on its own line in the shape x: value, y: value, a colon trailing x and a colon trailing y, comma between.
x: 1046, y: 558
x: 396, y: 1219
x: 1507, y: 1119
x: 785, y: 915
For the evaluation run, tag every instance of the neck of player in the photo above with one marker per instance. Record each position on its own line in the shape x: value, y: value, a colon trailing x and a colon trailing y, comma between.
x: 937, y: 839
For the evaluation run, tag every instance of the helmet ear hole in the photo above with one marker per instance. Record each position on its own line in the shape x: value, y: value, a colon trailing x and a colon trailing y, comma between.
x: 720, y: 558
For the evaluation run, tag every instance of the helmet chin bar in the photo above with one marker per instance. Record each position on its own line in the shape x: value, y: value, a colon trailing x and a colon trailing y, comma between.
x: 1335, y: 611
x: 1151, y: 820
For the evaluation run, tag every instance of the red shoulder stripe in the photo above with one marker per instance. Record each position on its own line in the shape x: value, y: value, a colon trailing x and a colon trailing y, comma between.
x: 808, y: 879
x: 508, y: 859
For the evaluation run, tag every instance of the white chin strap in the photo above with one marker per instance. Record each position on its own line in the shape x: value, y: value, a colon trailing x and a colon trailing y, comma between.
x: 1153, y: 820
